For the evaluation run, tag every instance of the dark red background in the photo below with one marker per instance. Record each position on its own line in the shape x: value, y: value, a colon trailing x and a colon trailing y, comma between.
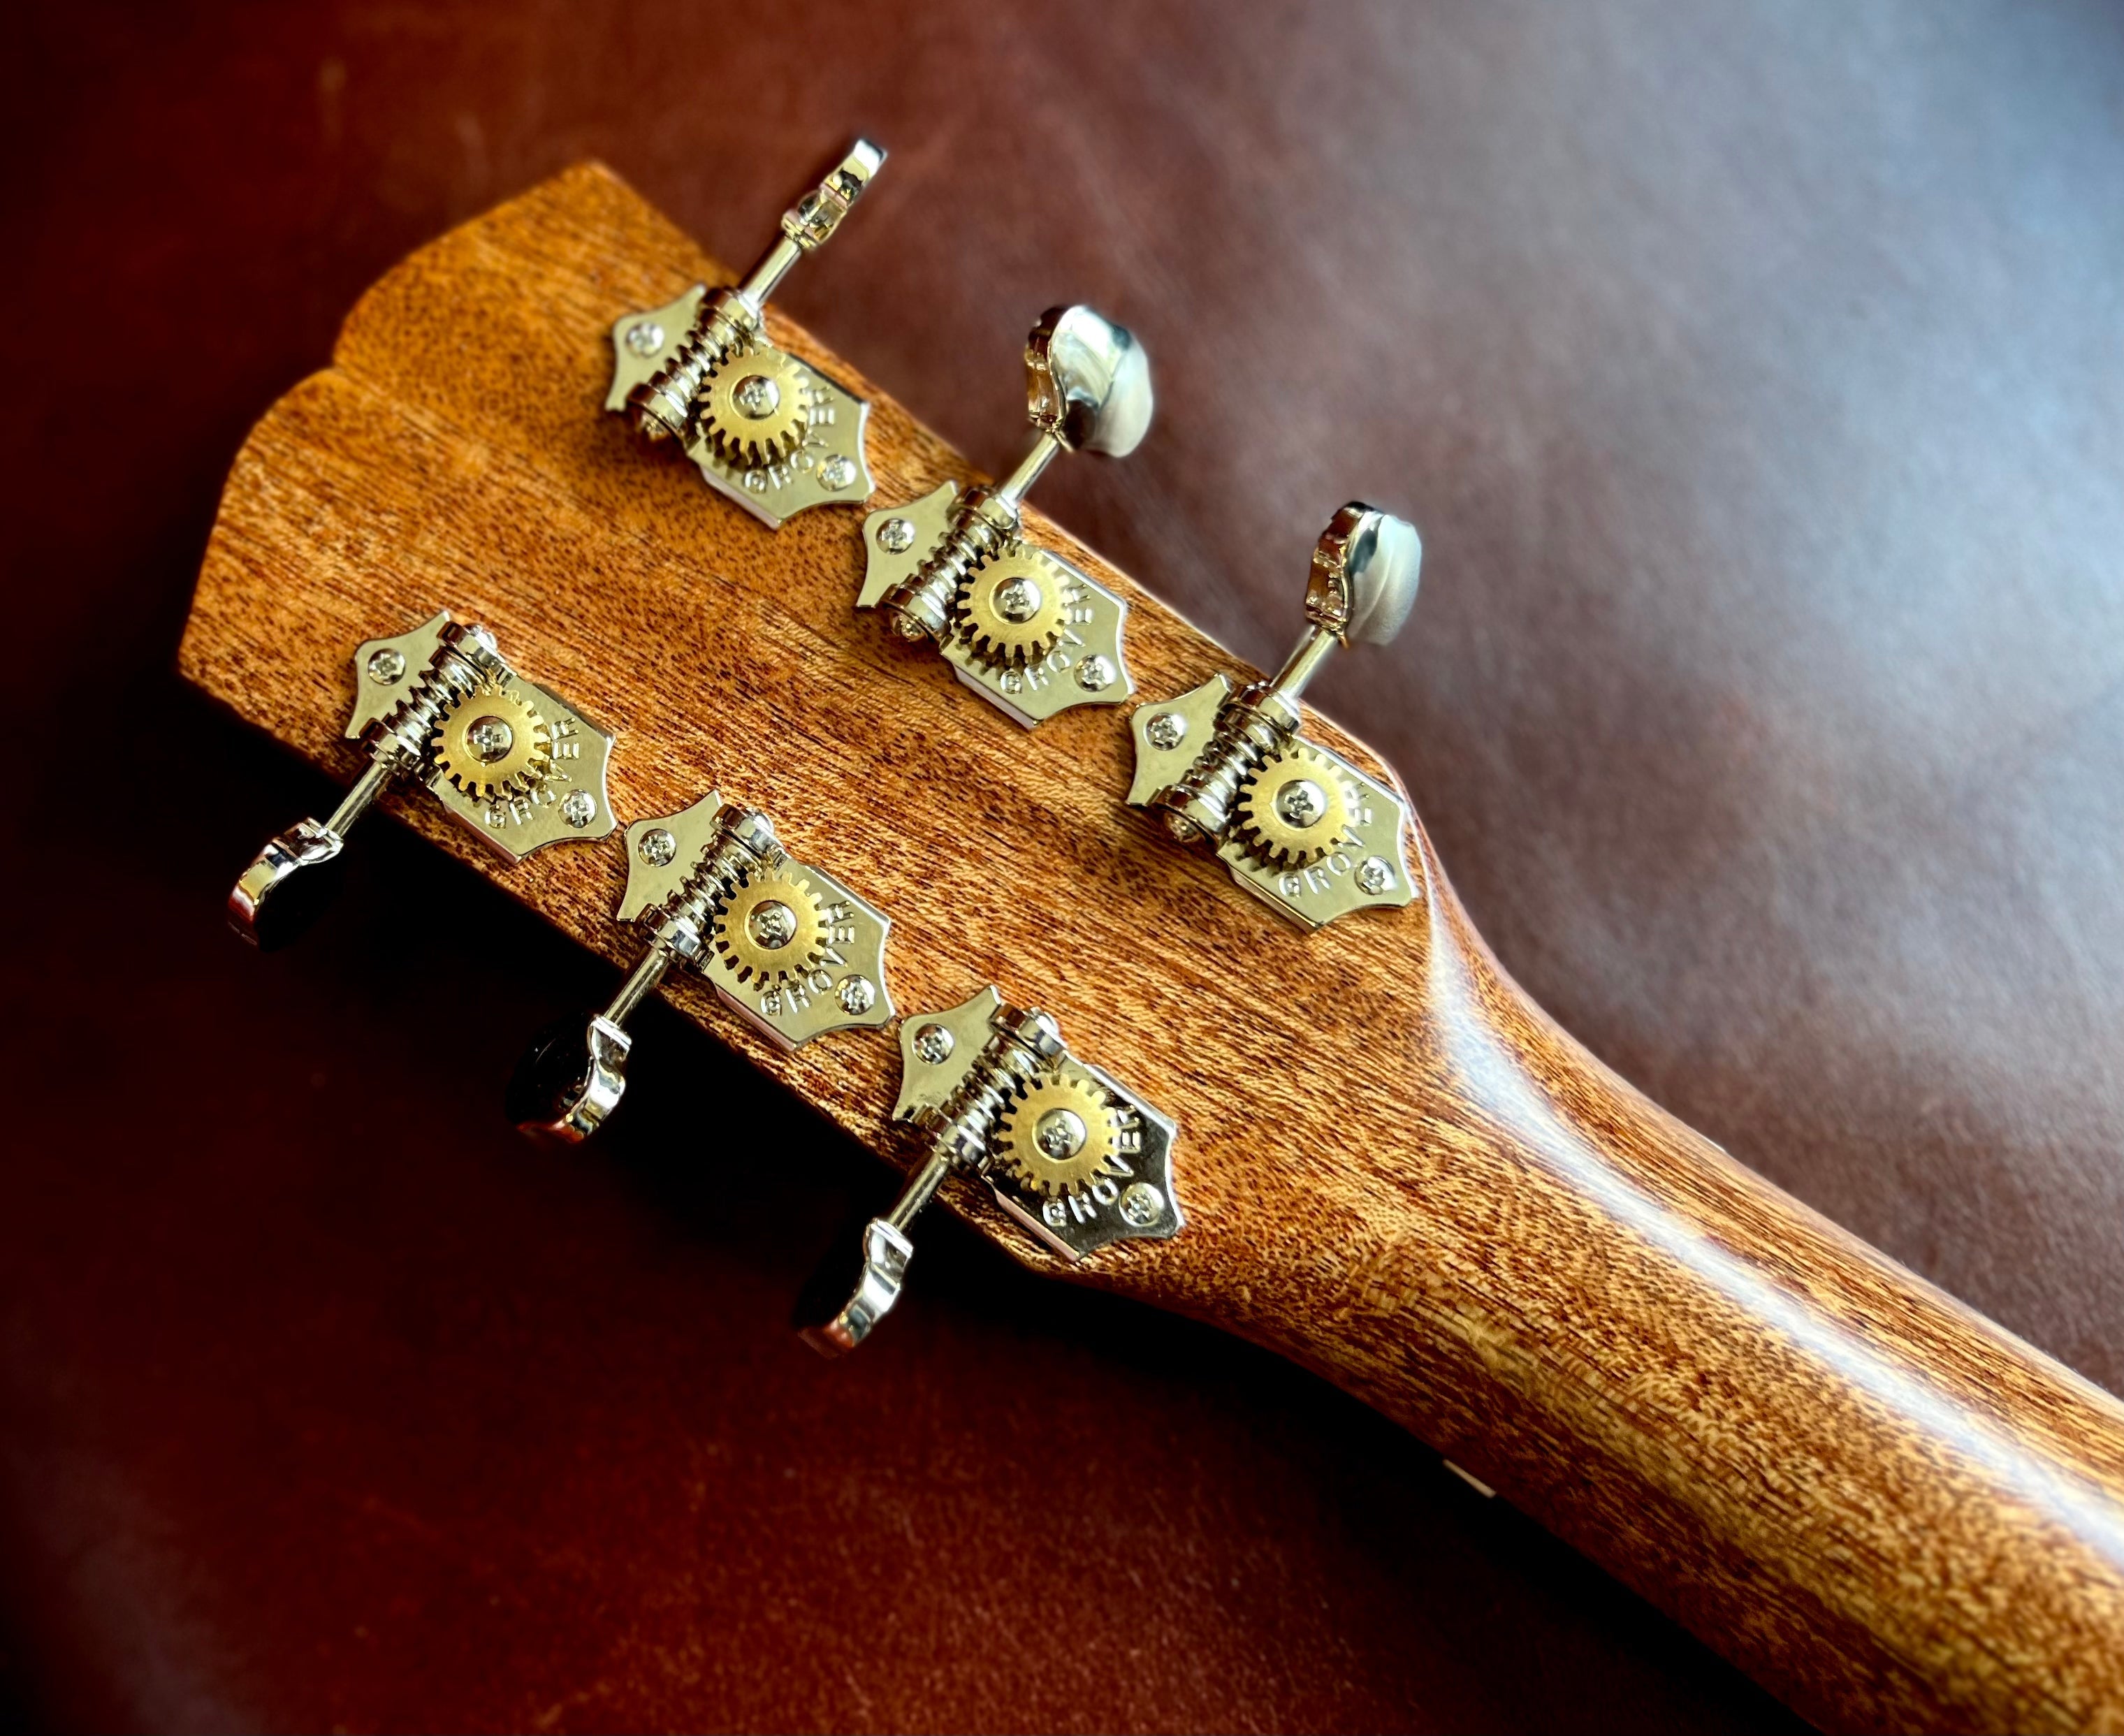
x: 1754, y: 372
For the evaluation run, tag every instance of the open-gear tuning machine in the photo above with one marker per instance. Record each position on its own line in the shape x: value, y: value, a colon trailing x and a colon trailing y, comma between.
x: 1023, y: 628
x: 507, y: 759
x: 1067, y: 1150
x: 787, y: 944
x: 770, y: 431
x: 1298, y: 826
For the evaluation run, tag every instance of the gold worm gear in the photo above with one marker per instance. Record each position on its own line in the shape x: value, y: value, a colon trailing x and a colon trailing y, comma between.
x: 1292, y: 809
x: 1013, y: 607
x: 756, y: 407
x: 492, y: 742
x: 1061, y: 1134
x: 771, y: 927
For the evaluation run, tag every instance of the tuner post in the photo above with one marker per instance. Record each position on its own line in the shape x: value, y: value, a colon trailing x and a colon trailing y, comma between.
x: 1296, y: 825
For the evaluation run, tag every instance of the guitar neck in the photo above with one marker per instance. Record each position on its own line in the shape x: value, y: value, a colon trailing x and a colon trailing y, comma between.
x: 1891, y: 1511
x: 1396, y: 1170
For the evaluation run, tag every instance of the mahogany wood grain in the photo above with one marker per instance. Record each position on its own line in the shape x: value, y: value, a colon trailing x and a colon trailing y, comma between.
x: 1398, y: 1170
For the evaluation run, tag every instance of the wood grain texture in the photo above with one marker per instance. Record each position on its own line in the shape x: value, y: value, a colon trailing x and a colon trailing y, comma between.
x: 1397, y: 1170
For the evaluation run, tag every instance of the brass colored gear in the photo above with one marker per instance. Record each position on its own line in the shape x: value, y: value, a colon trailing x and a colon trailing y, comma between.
x: 492, y: 742
x: 756, y: 407
x: 1059, y: 1134
x: 1011, y: 608
x: 772, y: 928
x: 1292, y: 809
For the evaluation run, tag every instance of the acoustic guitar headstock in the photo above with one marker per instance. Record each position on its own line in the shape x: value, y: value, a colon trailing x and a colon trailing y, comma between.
x: 524, y: 632
x: 616, y: 585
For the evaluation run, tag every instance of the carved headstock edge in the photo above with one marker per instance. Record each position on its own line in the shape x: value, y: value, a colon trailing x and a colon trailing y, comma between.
x: 1394, y: 1168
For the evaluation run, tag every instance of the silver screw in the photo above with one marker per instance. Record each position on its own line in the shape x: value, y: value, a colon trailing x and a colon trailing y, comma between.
x: 837, y: 471
x: 757, y: 397
x: 774, y: 925
x: 1142, y: 1205
x: 895, y: 535
x: 1374, y: 876
x: 857, y: 995
x: 657, y: 847
x: 1093, y: 674
x: 490, y: 738
x: 387, y: 666
x: 1166, y: 731
x: 644, y: 337
x: 1302, y: 803
x: 580, y: 808
x: 1019, y: 599
x: 1060, y: 1133
x: 934, y: 1043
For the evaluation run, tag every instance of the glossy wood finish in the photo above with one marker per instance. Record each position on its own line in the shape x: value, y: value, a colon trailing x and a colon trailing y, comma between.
x: 1397, y: 1171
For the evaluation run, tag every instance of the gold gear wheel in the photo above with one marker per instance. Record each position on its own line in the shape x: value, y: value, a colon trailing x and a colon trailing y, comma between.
x: 800, y: 919
x: 1280, y: 836
x: 1055, y: 1167
x: 1000, y: 635
x: 756, y: 407
x: 492, y: 742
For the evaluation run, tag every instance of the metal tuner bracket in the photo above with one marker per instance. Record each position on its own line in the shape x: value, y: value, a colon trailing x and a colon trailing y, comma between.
x: 787, y: 944
x: 773, y: 433
x: 1023, y: 628
x: 1298, y: 826
x: 1068, y: 1151
x: 510, y: 760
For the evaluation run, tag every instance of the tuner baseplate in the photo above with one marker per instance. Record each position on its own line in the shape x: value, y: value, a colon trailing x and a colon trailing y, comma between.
x: 826, y: 467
